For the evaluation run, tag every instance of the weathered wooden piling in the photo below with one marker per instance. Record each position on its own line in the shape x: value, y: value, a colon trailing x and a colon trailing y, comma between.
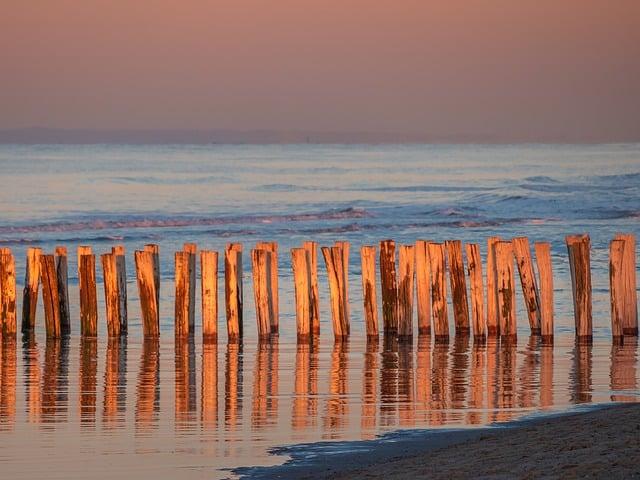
x: 274, y: 300
x: 30, y: 291
x: 183, y: 296
x: 209, y: 279
x: 493, y: 325
x: 458, y: 286
x: 121, y: 273
x: 314, y: 300
x: 474, y: 268
x: 302, y: 281
x: 261, y: 261
x: 50, y: 296
x: 617, y: 289
x: 8, y: 293
x: 333, y: 257
x: 147, y: 281
x: 191, y: 249
x: 88, y: 293
x: 505, y: 282
x: 345, y: 246
x: 423, y: 292
x: 368, y: 259
x: 233, y: 290
x: 62, y: 273
x: 437, y: 266
x: 578, y: 247
x: 154, y: 250
x: 545, y: 273
x: 522, y: 253
x: 389, y: 286
x: 406, y: 268
x: 630, y: 325
x: 111, y: 293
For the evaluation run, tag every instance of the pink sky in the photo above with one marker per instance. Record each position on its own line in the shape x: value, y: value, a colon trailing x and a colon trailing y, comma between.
x: 511, y: 68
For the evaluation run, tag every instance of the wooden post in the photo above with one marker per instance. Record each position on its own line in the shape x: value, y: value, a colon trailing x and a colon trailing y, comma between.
x: 191, y: 249
x: 522, y: 253
x: 147, y: 281
x: 458, y: 286
x: 545, y: 273
x: 155, y: 253
x: 333, y: 261
x: 233, y: 290
x: 183, y: 294
x: 617, y: 289
x: 62, y: 273
x: 579, y: 247
x: 368, y: 258
x: 506, y: 294
x: 121, y: 274
x: 30, y: 292
x: 261, y: 261
x: 274, y: 301
x: 341, y: 265
x: 50, y: 293
x: 8, y: 293
x: 301, y: 280
x: 493, y: 326
x: 88, y: 294
x: 474, y: 266
x: 406, y: 263
x: 423, y: 292
x: 389, y: 286
x: 345, y: 281
x: 111, y: 293
x: 209, y: 274
x: 630, y: 325
x: 314, y: 300
x: 437, y: 267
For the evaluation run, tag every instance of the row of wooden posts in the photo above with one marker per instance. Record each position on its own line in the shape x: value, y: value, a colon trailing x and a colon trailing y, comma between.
x: 424, y: 264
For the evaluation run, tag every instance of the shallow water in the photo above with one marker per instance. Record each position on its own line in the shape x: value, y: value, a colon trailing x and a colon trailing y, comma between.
x: 101, y: 408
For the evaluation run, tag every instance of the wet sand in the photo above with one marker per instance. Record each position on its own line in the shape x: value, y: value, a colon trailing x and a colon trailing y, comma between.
x: 593, y: 444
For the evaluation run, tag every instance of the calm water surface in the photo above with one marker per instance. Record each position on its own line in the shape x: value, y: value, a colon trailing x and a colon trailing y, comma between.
x: 75, y: 408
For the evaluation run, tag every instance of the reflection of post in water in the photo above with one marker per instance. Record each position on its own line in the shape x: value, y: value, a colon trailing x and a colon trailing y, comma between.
x: 209, y: 396
x: 506, y: 380
x: 55, y: 380
x: 233, y: 386
x: 30, y: 360
x: 305, y: 409
x: 623, y: 370
x: 439, y: 382
x: 8, y: 383
x: 423, y: 375
x: 493, y: 344
x: 148, y: 388
x: 459, y: 374
x: 476, y: 383
x: 527, y: 385
x: 115, y: 380
x: 580, y: 378
x: 369, y: 387
x: 88, y: 379
x: 406, y: 391
x: 185, y: 380
x: 264, y: 408
x: 389, y: 381
x: 337, y: 407
x: 546, y: 375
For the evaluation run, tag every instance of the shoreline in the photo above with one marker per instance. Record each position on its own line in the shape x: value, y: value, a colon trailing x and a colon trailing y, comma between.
x: 563, y: 443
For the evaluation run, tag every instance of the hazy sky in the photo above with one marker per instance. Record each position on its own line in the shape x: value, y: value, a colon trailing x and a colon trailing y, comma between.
x: 509, y: 68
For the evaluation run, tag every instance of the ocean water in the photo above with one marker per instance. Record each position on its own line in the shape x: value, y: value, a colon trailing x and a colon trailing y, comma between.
x: 161, y: 409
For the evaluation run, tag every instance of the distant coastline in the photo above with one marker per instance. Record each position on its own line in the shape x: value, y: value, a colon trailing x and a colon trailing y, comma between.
x: 45, y: 135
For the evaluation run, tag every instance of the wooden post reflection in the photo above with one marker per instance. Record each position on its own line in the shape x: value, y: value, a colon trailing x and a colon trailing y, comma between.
x: 389, y: 381
x: 337, y: 407
x: 368, y: 415
x: 233, y: 386
x: 30, y: 360
x: 476, y: 383
x: 264, y: 408
x: 305, y: 404
x: 148, y: 388
x: 8, y: 383
x: 506, y: 381
x: 580, y: 378
x: 527, y: 387
x: 406, y: 388
x: 209, y: 386
x: 546, y: 375
x: 493, y: 344
x: 423, y: 375
x: 439, y: 401
x: 115, y: 378
x: 88, y: 379
x: 185, y: 381
x: 55, y: 371
x: 623, y: 371
x: 459, y: 374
